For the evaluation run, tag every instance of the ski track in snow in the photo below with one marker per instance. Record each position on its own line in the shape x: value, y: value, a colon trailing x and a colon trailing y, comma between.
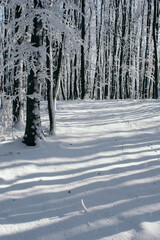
x: 98, y: 179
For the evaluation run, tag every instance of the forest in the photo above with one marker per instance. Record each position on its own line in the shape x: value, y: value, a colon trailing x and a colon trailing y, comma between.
x: 79, y: 120
x: 67, y: 50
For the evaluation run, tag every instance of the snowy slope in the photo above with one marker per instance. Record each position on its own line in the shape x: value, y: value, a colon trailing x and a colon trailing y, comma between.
x: 98, y: 179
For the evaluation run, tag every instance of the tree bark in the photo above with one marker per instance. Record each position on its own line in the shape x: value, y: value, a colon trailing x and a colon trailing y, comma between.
x: 141, y: 53
x: 82, y: 50
x: 127, y: 84
x: 124, y: 9
x: 115, y: 38
x: 98, y: 45
x: 146, y: 67
x: 155, y: 43
x: 18, y: 104
x: 33, y: 122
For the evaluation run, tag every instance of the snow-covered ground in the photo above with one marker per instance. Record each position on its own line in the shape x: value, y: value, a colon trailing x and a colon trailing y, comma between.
x: 98, y: 179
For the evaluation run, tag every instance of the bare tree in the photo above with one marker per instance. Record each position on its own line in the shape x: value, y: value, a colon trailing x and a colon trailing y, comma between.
x: 33, y: 122
x: 82, y: 50
x: 155, y: 43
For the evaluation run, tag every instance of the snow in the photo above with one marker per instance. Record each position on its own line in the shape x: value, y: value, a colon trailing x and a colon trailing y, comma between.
x: 98, y: 178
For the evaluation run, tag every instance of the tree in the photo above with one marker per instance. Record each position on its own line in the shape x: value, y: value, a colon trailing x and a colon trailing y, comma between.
x: 53, y: 80
x: 141, y: 62
x: 114, y: 50
x: 33, y: 122
x: 127, y: 79
x: 82, y: 50
x: 18, y: 104
x: 98, y: 46
x: 146, y: 79
x: 155, y: 43
x: 124, y: 11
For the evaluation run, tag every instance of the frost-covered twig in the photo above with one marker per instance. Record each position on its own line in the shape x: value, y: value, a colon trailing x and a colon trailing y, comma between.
x: 83, y: 205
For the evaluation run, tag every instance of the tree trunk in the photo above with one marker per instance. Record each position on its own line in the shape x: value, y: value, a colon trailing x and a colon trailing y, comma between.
x: 75, y: 77
x: 82, y: 50
x: 115, y: 38
x: 155, y: 42
x: 127, y: 84
x: 6, y: 53
x: 53, y: 81
x: 141, y: 53
x: 51, y: 108
x: 33, y: 122
x: 146, y: 67
x: 124, y: 9
x: 18, y: 104
x: 98, y: 45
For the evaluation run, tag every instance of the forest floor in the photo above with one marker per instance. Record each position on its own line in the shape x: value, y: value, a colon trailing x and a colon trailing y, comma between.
x: 98, y: 179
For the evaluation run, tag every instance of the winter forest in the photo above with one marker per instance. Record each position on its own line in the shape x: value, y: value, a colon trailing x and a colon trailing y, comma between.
x: 79, y: 120
x: 67, y: 50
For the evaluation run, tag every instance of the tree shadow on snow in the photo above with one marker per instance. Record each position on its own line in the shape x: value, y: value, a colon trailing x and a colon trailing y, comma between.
x: 92, y: 189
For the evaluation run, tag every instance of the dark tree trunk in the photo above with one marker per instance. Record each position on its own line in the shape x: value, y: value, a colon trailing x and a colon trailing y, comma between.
x: 82, y: 50
x: 155, y: 42
x: 127, y: 92
x: 114, y: 70
x: 124, y: 9
x: 33, y: 122
x: 146, y: 78
x: 62, y: 90
x: 141, y: 54
x: 18, y: 103
x: 75, y: 77
x: 71, y: 80
x: 75, y: 85
x: 49, y: 80
x: 108, y: 50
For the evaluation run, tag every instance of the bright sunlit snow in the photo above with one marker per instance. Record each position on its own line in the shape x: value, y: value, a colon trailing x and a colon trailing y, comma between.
x: 98, y: 179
